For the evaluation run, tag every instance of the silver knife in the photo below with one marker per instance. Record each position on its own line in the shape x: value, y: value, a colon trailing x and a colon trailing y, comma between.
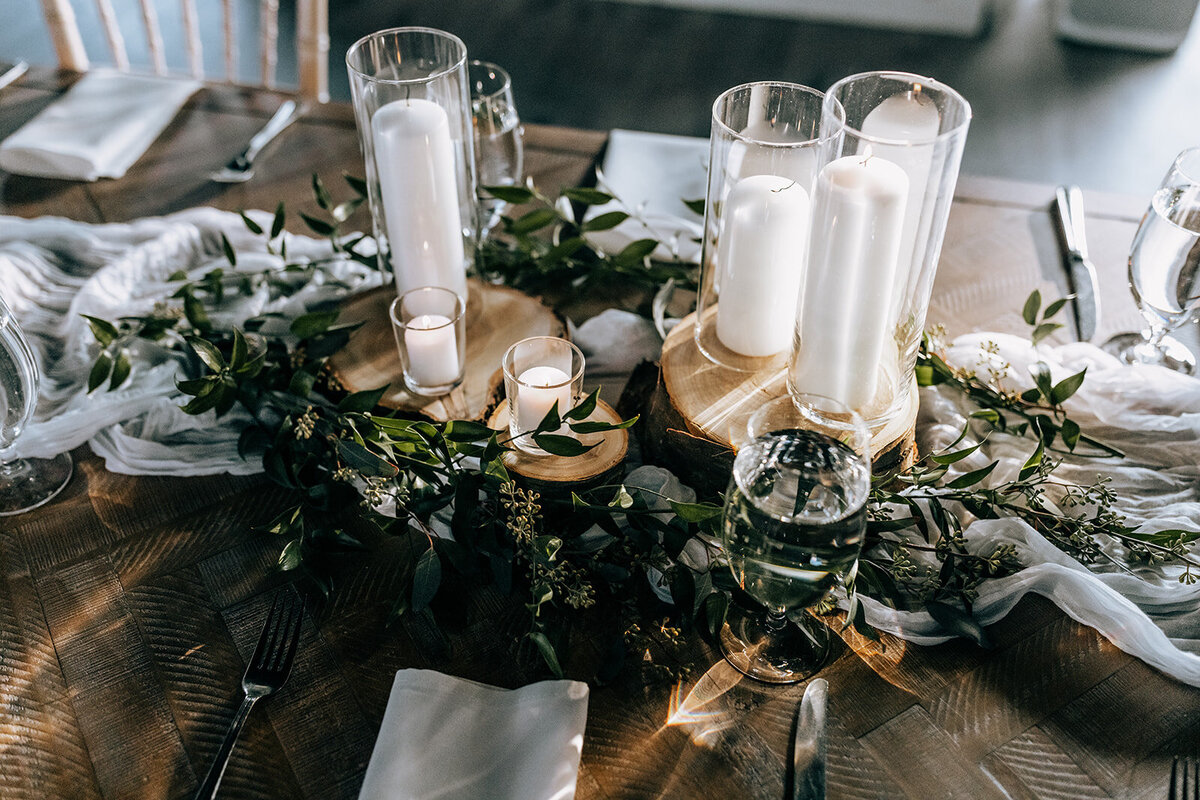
x: 1081, y: 274
x: 808, y: 748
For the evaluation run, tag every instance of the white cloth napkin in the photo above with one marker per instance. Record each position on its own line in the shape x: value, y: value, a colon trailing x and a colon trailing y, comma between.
x: 98, y: 128
x: 445, y: 738
x: 651, y: 175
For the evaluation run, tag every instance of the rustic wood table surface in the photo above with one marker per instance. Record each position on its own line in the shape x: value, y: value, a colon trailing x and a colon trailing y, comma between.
x: 129, y: 605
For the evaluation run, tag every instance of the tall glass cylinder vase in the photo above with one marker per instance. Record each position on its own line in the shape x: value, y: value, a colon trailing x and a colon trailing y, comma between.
x: 413, y: 108
x: 766, y: 149
x: 879, y: 216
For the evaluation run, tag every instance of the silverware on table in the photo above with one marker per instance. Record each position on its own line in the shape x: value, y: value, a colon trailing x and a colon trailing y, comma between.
x: 1081, y: 274
x: 1184, y: 770
x: 268, y: 669
x: 13, y: 73
x: 241, y: 168
x: 808, y: 748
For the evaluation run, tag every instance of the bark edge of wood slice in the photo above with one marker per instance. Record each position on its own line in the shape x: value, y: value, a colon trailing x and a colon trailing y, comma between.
x: 699, y: 408
x: 564, y: 474
x: 497, y: 317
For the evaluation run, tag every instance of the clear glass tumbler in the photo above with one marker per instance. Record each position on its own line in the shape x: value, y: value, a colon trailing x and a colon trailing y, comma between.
x: 540, y: 373
x: 429, y: 324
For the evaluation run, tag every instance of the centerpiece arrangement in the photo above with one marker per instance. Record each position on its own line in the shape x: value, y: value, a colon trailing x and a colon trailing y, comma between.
x: 823, y: 224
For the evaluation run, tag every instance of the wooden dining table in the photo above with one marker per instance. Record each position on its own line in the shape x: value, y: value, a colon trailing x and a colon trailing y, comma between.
x: 130, y: 604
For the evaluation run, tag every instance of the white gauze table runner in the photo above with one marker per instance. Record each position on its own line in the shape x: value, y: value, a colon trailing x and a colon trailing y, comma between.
x: 53, y: 270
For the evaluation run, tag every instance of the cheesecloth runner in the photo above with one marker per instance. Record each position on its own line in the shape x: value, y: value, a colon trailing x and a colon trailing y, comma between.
x: 53, y: 270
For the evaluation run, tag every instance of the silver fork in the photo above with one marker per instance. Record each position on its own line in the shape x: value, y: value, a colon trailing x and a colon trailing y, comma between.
x: 241, y: 168
x: 1181, y: 770
x: 268, y: 669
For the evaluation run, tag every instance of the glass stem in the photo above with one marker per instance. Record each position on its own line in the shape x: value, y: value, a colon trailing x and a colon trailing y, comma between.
x: 776, y: 619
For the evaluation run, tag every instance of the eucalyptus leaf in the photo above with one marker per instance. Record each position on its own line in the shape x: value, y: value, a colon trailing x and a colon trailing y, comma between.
x: 546, y: 649
x: 278, y: 220
x: 973, y: 477
x: 100, y: 371
x: 559, y: 445
x: 357, y: 184
x: 534, y: 221
x: 250, y: 224
x: 207, y: 352
x: 427, y: 578
x: 104, y: 331
x: 587, y: 197
x: 121, y: 369
x: 1032, y: 304
x: 1067, y: 387
x: 517, y: 195
x: 604, y: 222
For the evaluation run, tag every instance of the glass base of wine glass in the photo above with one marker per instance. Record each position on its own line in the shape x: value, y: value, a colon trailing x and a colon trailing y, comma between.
x: 1134, y: 348
x: 26, y: 483
x: 789, y: 653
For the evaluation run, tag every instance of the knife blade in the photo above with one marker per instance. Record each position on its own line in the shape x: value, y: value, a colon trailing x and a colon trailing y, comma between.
x: 241, y: 168
x: 808, y: 747
x: 1081, y: 273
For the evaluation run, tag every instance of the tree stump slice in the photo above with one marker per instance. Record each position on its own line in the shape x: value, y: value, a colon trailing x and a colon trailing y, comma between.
x: 699, y: 409
x: 497, y: 317
x: 561, y: 475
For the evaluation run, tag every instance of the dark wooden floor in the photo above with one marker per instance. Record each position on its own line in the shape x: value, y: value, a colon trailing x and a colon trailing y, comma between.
x: 1045, y: 110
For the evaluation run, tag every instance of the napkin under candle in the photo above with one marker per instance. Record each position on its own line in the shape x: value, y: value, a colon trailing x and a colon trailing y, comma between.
x: 98, y: 128
x: 445, y: 738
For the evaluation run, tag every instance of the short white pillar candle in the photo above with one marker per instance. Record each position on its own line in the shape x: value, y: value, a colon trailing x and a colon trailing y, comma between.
x: 761, y: 256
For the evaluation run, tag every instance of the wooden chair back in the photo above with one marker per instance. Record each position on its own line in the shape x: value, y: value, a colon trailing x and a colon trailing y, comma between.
x: 312, y: 41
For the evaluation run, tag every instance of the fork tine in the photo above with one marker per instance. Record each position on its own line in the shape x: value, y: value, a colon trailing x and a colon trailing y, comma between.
x: 1174, y: 775
x: 1195, y: 779
x: 293, y: 638
x: 270, y: 629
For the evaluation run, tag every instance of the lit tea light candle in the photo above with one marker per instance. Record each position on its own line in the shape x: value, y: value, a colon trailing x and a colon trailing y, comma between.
x: 761, y: 257
x: 432, y: 349
x: 538, y: 389
x: 418, y: 183
x: 843, y: 323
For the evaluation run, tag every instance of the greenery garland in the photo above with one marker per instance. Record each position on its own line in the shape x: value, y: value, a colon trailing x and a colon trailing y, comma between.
x: 593, y: 558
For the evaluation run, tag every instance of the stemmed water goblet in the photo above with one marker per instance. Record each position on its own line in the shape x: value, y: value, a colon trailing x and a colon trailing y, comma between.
x: 25, y: 483
x: 793, y: 524
x: 499, y: 152
x: 1164, y: 270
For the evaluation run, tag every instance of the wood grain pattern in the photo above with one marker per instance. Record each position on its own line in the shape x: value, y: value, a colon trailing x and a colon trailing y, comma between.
x: 128, y: 606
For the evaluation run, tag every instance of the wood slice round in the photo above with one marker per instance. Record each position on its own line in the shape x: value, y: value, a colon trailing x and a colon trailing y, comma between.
x: 563, y: 474
x: 700, y: 409
x: 497, y: 317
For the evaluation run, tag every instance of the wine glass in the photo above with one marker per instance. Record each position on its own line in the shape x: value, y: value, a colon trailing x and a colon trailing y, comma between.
x: 499, y: 153
x: 1164, y: 270
x: 794, y: 521
x: 25, y: 483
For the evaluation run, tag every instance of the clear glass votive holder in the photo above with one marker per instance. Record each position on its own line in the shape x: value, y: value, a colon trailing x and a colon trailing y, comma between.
x: 429, y: 323
x: 879, y: 212
x: 539, y: 372
x: 765, y: 151
x: 412, y: 106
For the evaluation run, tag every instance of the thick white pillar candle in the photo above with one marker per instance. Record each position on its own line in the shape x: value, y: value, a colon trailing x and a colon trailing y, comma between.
x: 843, y: 326
x: 907, y: 117
x: 761, y: 260
x: 538, y: 389
x: 414, y: 156
x: 432, y: 349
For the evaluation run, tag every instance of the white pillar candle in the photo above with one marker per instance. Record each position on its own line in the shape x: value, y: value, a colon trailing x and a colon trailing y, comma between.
x: 432, y: 348
x: 761, y: 260
x: 910, y: 116
x: 538, y: 389
x: 414, y: 156
x: 842, y: 326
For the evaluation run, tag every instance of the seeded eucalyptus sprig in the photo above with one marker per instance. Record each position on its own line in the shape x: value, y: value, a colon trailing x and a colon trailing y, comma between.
x: 547, y: 248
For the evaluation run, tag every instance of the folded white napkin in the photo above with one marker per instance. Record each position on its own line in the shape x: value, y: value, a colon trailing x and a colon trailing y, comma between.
x: 652, y: 174
x: 453, y: 739
x: 98, y: 128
